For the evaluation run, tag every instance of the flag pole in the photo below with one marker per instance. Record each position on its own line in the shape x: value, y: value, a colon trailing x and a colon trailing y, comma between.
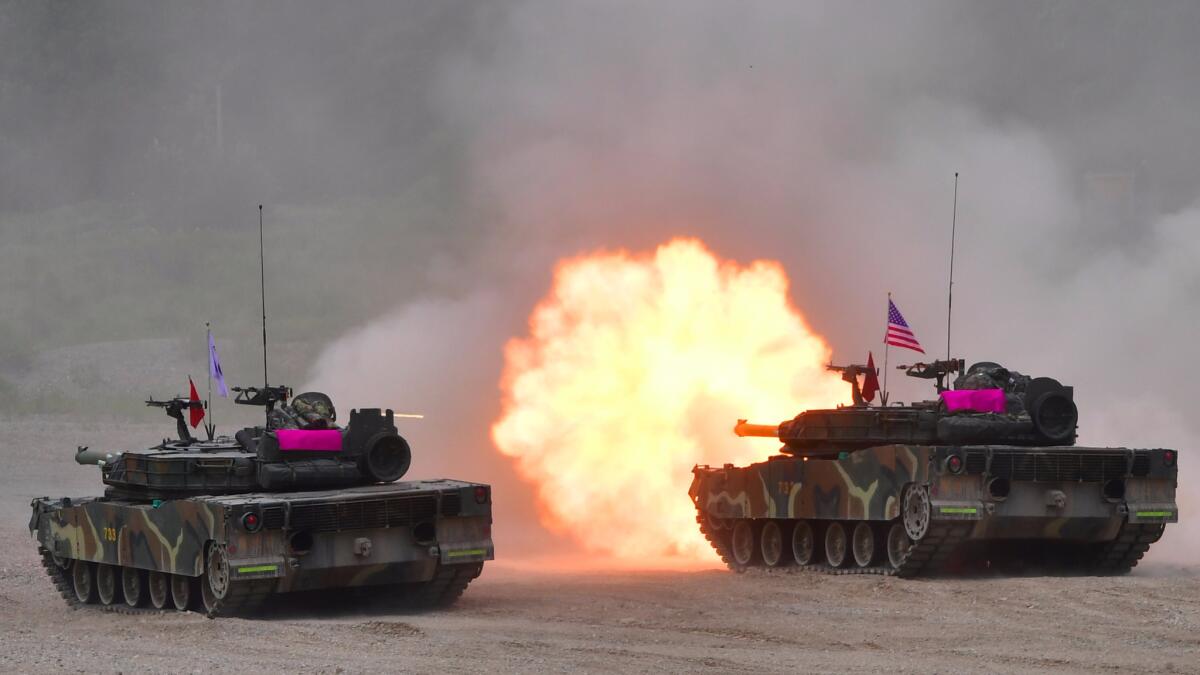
x: 211, y: 425
x: 950, y: 290
x: 886, y: 348
x: 262, y: 271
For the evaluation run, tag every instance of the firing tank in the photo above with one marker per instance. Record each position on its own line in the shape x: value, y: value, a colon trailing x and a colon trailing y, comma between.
x: 987, y: 475
x: 299, y: 504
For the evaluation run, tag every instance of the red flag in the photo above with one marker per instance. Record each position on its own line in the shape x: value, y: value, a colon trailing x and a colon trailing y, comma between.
x: 196, y: 412
x: 871, y: 381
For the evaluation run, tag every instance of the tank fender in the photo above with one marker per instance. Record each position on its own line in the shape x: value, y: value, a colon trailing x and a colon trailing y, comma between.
x: 36, y: 518
x: 958, y: 510
x: 169, y: 538
x: 1150, y: 512
x: 257, y: 568
x: 465, y: 540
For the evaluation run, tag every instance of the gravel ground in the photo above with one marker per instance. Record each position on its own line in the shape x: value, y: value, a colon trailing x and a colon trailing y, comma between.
x: 521, y: 616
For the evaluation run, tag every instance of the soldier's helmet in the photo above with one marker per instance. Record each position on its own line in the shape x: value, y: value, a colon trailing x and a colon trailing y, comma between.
x: 315, y: 409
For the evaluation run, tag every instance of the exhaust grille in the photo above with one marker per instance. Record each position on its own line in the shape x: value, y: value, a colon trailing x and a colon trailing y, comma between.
x: 1049, y: 466
x: 361, y: 515
x: 1141, y: 464
x: 273, y: 517
x: 451, y: 503
x: 976, y: 462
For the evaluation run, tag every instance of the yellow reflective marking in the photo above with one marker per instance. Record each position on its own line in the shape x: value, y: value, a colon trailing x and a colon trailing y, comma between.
x: 1154, y: 514
x: 466, y: 552
x: 959, y: 509
x: 257, y: 568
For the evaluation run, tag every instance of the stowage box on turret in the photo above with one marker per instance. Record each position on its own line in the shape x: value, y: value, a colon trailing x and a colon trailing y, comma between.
x: 987, y: 473
x: 299, y: 504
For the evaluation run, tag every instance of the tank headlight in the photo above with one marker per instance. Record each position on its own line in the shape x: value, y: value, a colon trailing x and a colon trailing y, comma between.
x: 251, y: 522
x: 1168, y: 458
x: 481, y: 495
x: 954, y: 464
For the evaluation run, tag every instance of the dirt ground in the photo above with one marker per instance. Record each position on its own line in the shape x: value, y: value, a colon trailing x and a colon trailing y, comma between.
x: 521, y: 617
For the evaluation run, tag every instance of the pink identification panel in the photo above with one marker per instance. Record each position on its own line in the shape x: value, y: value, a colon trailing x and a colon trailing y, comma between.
x: 318, y: 439
x: 975, y: 400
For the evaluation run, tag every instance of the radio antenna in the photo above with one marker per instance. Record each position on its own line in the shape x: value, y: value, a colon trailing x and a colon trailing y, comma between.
x: 950, y: 290
x: 262, y: 270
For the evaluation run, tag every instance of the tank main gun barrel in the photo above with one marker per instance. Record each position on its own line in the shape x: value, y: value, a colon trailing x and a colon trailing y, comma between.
x: 744, y: 428
x: 98, y: 457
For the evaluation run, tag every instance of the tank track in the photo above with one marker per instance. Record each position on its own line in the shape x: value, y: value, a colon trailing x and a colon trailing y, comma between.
x: 930, y: 555
x: 244, y: 597
x: 447, y: 584
x: 716, y: 541
x: 1122, y: 554
x: 927, y: 556
x: 62, y: 583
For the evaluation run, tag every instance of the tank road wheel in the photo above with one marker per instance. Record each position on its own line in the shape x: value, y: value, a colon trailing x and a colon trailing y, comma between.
x: 106, y: 583
x: 863, y: 544
x: 835, y: 545
x: 898, y: 545
x: 771, y: 544
x: 181, y: 592
x: 744, y: 550
x: 133, y: 582
x: 160, y: 590
x: 917, y: 512
x: 804, y: 543
x: 214, y: 584
x: 83, y: 578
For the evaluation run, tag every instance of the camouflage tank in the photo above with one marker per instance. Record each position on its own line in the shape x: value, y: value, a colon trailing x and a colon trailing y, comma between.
x: 300, y: 504
x: 987, y: 474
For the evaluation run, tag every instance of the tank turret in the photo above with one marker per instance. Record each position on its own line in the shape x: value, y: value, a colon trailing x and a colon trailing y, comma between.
x: 300, y: 446
x: 987, y: 404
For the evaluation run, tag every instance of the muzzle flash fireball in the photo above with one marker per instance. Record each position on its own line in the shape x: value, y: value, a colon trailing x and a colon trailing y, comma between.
x: 631, y: 369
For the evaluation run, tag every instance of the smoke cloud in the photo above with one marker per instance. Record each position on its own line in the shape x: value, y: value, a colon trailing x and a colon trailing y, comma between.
x: 437, y: 159
x: 828, y: 138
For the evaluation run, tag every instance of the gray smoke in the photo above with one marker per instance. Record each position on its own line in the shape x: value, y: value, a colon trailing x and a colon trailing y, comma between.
x: 430, y: 162
x: 828, y: 139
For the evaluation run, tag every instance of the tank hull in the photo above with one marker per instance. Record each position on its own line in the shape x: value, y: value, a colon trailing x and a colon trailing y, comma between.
x: 422, y: 541
x: 1099, y: 508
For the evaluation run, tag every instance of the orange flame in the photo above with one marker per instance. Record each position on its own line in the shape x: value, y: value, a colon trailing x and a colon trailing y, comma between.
x: 635, y: 369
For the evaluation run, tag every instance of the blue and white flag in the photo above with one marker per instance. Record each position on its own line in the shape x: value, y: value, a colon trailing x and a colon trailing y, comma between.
x: 214, y: 367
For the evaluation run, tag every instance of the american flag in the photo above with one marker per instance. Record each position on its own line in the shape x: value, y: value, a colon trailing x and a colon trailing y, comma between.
x: 898, y: 332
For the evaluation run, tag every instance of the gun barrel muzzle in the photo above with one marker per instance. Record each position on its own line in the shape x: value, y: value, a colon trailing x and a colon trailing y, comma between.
x: 744, y: 428
x: 98, y: 457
